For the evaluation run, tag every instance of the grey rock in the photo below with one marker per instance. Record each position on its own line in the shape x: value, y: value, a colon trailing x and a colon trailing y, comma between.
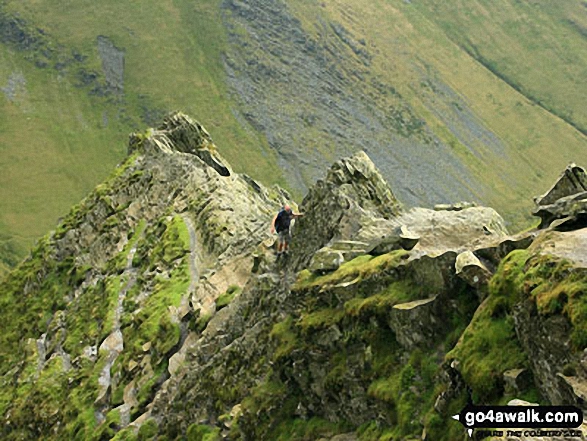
x: 326, y: 260
x: 112, y: 64
x: 400, y: 238
x: 440, y: 231
x: 414, y: 323
x: 546, y: 340
x: 336, y: 208
x: 15, y: 87
x: 458, y: 206
x: 569, y: 212
x: 572, y: 180
x: 565, y: 200
x: 575, y: 388
x: 179, y: 133
x: 469, y: 268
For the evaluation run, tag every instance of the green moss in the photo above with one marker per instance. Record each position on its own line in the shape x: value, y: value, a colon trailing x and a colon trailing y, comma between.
x: 112, y: 287
x: 380, y: 303
x: 443, y: 427
x: 267, y: 402
x: 360, y: 267
x: 31, y: 295
x: 319, y: 320
x: 510, y: 276
x: 109, y: 428
x: 410, y: 389
x: 153, y: 322
x: 126, y: 434
x: 174, y: 243
x: 119, y: 262
x: 201, y: 432
x: 227, y: 297
x: 372, y: 431
x: 286, y: 337
x: 556, y: 285
x: 488, y: 347
x: 148, y: 430
x: 307, y: 430
x: 202, y: 321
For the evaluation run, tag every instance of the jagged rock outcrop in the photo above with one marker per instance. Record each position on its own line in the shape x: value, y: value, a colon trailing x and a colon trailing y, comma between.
x: 566, y: 201
x: 180, y: 134
x: 546, y: 341
x: 336, y: 208
x: 157, y: 309
x: 133, y: 274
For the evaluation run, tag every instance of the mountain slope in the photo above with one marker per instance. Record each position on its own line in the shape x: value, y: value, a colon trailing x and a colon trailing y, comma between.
x: 121, y: 278
x: 471, y: 100
x: 157, y: 309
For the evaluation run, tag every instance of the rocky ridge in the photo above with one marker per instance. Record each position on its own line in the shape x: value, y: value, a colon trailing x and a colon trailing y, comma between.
x: 157, y: 309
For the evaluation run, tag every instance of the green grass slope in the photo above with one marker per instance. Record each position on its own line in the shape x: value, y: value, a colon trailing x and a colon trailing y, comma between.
x: 473, y: 99
x: 62, y: 129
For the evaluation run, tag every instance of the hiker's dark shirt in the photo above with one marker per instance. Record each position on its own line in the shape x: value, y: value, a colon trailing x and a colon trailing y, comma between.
x: 283, y: 220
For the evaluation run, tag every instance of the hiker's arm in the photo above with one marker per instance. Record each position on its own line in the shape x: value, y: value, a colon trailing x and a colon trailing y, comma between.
x: 298, y: 215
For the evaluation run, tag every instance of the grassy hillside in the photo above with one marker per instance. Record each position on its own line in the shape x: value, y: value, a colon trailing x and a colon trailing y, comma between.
x: 440, y: 123
x: 473, y: 99
x: 63, y: 129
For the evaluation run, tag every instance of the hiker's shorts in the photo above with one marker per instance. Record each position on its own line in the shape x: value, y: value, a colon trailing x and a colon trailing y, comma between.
x: 283, y: 236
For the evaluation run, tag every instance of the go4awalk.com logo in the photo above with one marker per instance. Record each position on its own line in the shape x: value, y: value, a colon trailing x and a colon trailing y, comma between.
x: 538, y: 420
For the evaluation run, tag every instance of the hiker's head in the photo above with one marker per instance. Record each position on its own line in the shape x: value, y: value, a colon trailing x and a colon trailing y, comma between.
x: 287, y: 208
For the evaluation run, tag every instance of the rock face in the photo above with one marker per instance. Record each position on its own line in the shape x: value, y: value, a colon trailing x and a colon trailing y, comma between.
x: 157, y: 310
x: 414, y: 323
x: 546, y: 340
x: 566, y: 200
x: 456, y: 230
x: 336, y: 208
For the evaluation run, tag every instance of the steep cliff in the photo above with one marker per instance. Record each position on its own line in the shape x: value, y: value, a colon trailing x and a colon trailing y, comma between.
x: 157, y: 308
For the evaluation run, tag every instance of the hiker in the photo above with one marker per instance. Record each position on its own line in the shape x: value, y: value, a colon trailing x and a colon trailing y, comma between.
x: 281, y: 223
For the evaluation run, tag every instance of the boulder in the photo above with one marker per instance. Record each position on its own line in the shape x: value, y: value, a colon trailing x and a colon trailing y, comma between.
x: 494, y: 252
x: 440, y: 231
x: 575, y: 388
x: 187, y: 135
x: 400, y: 238
x: 546, y: 341
x: 329, y: 258
x: 572, y: 180
x: 569, y: 212
x: 566, y: 199
x: 179, y: 133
